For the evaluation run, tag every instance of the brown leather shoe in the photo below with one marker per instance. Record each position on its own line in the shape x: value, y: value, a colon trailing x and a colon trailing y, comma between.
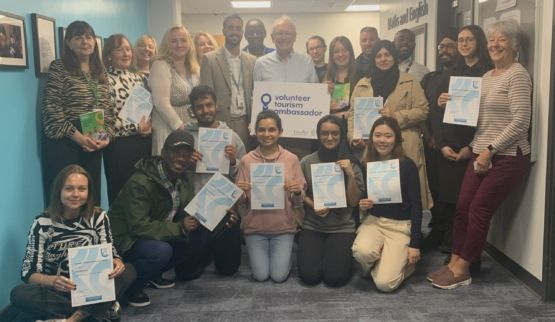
x: 448, y: 281
x: 433, y: 275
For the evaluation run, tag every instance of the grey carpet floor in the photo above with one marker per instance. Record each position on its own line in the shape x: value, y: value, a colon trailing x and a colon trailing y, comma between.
x: 495, y: 295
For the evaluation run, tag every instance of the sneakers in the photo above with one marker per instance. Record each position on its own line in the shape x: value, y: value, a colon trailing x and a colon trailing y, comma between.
x: 448, y: 281
x: 114, y: 312
x: 437, y: 273
x: 140, y: 299
x: 160, y: 283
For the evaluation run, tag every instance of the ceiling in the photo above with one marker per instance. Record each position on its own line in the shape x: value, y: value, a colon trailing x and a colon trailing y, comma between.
x: 278, y: 6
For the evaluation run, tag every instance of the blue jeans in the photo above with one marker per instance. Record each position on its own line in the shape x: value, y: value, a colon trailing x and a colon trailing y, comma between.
x: 270, y: 256
x: 152, y: 257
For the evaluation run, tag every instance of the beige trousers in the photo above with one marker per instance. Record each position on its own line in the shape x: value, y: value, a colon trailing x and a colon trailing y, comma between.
x: 381, y: 248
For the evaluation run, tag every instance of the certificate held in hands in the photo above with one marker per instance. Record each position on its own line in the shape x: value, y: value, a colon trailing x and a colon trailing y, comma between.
x: 328, y: 186
x: 366, y: 112
x: 211, y: 143
x: 463, y: 105
x: 89, y: 267
x: 137, y: 105
x: 383, y: 181
x: 211, y: 203
x: 267, y: 183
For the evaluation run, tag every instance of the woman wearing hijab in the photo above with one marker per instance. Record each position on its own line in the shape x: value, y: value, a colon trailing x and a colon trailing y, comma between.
x: 404, y: 100
x: 324, y: 251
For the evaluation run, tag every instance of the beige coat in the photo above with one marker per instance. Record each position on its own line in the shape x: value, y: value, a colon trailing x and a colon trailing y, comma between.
x: 410, y: 107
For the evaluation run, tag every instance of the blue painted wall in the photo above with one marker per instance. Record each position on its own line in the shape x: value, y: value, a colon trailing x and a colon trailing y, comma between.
x: 20, y: 173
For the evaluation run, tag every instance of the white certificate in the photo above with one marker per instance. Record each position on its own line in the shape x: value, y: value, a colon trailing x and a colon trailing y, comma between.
x: 463, y: 105
x: 366, y: 112
x: 210, y: 204
x: 211, y: 143
x: 383, y: 181
x: 299, y: 105
x: 328, y: 185
x: 267, y: 183
x: 89, y: 267
x: 137, y: 105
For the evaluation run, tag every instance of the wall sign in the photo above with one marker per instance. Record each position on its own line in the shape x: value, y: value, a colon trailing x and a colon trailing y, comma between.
x: 409, y: 15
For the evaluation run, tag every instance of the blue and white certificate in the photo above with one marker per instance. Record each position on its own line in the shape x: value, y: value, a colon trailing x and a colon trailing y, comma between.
x: 463, y: 105
x: 328, y: 185
x: 137, y: 105
x: 89, y: 267
x: 383, y: 181
x: 211, y: 203
x: 267, y: 181
x: 211, y: 143
x: 366, y: 112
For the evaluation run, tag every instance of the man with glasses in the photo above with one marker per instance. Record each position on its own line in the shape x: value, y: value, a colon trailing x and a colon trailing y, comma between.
x: 287, y: 65
x: 434, y: 84
x: 405, y: 42
x: 316, y: 49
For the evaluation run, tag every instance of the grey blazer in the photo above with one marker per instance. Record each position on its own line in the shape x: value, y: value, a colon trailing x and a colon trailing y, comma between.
x: 215, y: 72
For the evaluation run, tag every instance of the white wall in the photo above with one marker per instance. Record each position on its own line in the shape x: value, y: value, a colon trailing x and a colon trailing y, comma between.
x: 163, y: 14
x: 518, y: 228
x: 326, y: 25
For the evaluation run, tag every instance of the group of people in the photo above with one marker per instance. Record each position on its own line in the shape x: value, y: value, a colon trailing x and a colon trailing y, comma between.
x: 461, y: 173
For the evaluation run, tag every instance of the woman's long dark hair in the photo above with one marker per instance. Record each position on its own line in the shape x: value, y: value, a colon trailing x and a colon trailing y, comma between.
x: 331, y: 71
x: 69, y: 59
x: 56, y: 209
x: 384, y: 81
x: 484, y: 61
x: 398, y: 151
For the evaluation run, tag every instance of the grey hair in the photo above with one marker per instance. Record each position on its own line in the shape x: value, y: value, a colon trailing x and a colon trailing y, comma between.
x: 510, y: 28
x: 284, y: 19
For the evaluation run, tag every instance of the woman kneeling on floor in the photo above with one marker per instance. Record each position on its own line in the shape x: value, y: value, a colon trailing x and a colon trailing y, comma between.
x: 387, y: 245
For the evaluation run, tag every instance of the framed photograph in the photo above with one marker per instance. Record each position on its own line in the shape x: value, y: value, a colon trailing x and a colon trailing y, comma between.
x: 99, y: 45
x: 44, y: 42
x: 61, y: 36
x: 13, y: 44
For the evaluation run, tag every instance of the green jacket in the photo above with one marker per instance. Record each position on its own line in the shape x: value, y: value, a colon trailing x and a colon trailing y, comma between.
x: 142, y: 206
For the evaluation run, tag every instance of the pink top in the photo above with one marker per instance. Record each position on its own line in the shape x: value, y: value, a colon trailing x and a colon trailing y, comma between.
x: 272, y: 221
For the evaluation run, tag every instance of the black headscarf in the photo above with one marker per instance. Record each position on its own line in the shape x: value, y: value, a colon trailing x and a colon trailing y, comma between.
x: 342, y: 151
x: 384, y: 81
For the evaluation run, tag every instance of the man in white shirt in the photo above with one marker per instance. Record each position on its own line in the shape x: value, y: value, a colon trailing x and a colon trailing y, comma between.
x: 405, y: 42
x: 229, y: 71
x: 286, y: 65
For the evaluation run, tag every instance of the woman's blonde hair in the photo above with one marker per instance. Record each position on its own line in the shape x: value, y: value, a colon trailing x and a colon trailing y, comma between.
x: 142, y: 41
x: 210, y: 38
x: 164, y: 51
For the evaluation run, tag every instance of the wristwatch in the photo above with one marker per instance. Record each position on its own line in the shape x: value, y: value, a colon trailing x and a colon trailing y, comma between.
x: 491, y: 149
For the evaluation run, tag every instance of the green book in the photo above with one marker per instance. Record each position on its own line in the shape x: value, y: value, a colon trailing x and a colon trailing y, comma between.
x: 340, y: 97
x: 92, y: 125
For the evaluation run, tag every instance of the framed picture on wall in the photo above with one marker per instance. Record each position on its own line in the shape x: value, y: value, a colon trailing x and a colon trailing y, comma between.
x: 99, y: 45
x: 44, y: 42
x: 13, y: 42
x: 61, y: 36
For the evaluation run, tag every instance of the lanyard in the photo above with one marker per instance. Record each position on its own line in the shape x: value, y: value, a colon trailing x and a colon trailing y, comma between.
x: 172, y: 189
x: 240, y: 80
x: 93, y: 87
x: 410, y: 65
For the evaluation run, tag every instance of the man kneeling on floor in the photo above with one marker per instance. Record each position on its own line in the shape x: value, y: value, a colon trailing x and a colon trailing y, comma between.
x: 149, y: 225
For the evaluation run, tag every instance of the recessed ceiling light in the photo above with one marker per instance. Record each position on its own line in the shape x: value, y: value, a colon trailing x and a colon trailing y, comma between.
x: 251, y: 4
x: 363, y: 7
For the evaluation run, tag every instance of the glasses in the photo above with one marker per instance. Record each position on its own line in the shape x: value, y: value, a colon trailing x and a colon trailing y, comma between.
x: 316, y: 48
x: 465, y: 40
x: 446, y: 46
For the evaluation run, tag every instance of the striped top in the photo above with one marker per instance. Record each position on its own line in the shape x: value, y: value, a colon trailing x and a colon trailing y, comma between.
x: 67, y: 96
x: 505, y: 109
x: 49, y: 241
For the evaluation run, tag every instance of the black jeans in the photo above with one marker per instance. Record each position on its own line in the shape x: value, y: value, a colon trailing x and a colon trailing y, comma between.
x: 325, y: 257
